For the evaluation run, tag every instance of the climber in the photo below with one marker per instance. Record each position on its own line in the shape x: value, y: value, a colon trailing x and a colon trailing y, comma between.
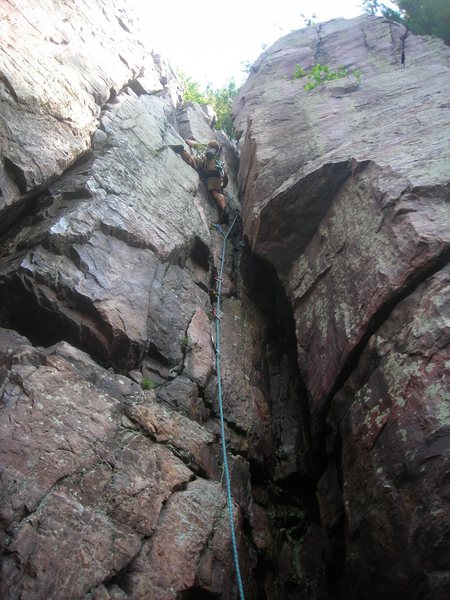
x: 211, y: 168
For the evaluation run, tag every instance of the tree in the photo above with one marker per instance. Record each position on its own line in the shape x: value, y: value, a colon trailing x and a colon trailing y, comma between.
x: 220, y: 99
x: 424, y: 17
x: 191, y: 90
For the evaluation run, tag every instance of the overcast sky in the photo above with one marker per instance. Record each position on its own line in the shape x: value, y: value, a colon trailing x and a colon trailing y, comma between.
x: 210, y: 40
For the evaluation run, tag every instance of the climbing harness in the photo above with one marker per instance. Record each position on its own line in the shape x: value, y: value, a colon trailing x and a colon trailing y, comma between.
x: 226, y: 471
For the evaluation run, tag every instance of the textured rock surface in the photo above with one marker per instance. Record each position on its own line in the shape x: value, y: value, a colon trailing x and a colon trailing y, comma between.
x: 75, y: 476
x: 109, y: 491
x: 345, y: 190
x: 300, y: 145
x: 393, y: 416
x: 47, y: 120
x: 94, y: 255
x: 184, y: 535
x: 373, y: 246
x: 111, y: 473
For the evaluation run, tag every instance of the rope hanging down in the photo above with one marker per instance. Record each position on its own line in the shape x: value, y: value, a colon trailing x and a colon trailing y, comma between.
x: 222, y: 425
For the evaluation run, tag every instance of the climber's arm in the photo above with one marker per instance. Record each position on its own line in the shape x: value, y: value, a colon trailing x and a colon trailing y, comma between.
x: 195, y: 145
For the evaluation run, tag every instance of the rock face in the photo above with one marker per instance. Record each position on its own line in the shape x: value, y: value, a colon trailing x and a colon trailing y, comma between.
x: 111, y: 470
x: 345, y: 190
x: 93, y: 466
x: 334, y: 325
x: 52, y: 90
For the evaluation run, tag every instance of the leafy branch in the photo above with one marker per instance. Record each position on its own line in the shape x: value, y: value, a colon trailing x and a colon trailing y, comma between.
x: 319, y: 74
x: 220, y: 99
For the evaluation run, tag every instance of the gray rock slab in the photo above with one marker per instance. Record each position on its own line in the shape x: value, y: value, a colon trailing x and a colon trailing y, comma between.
x: 59, y: 67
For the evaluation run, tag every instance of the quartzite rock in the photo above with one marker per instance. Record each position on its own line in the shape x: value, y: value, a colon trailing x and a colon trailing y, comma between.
x: 88, y: 258
x: 195, y: 445
x: 296, y: 143
x: 393, y: 416
x: 371, y: 247
x: 51, y: 88
x: 83, y: 486
x: 73, y: 476
x: 183, y: 394
x: 345, y: 190
x: 110, y: 493
x: 168, y: 563
x: 348, y: 218
x: 198, y: 348
x: 117, y: 256
x: 245, y: 399
x: 174, y: 300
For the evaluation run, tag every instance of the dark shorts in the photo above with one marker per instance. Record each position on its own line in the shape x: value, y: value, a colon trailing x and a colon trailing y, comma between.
x: 214, y: 183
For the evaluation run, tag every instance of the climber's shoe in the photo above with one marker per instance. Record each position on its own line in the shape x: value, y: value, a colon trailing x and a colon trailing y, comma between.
x: 177, y: 148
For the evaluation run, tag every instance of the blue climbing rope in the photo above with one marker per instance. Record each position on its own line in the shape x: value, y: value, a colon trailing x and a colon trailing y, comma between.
x: 222, y: 423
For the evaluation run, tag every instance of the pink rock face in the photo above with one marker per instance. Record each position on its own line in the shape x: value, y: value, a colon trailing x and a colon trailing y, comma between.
x: 185, y: 437
x: 117, y: 258
x: 394, y: 418
x: 345, y: 214
x: 198, y: 348
x: 80, y: 489
x: 169, y: 562
x: 245, y: 404
x: 116, y: 255
x: 61, y: 41
x: 345, y: 192
x: 370, y: 248
x: 292, y: 139
x: 84, y: 485
x: 109, y: 491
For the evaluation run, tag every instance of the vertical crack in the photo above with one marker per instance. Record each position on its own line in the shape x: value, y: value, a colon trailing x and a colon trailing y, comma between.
x: 320, y: 55
x: 403, y: 47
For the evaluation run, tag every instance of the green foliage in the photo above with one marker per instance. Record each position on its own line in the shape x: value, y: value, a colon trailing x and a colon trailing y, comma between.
x: 148, y: 384
x: 185, y: 341
x: 220, y: 99
x: 357, y: 75
x: 424, y: 17
x: 371, y: 7
x: 319, y: 74
x: 299, y: 72
x: 191, y: 90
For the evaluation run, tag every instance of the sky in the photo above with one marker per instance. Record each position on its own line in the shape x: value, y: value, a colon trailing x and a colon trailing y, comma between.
x: 211, y: 41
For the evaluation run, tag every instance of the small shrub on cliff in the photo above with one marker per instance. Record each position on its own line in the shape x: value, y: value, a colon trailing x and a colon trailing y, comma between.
x: 319, y: 74
x: 299, y: 72
x: 148, y: 384
x: 185, y: 342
